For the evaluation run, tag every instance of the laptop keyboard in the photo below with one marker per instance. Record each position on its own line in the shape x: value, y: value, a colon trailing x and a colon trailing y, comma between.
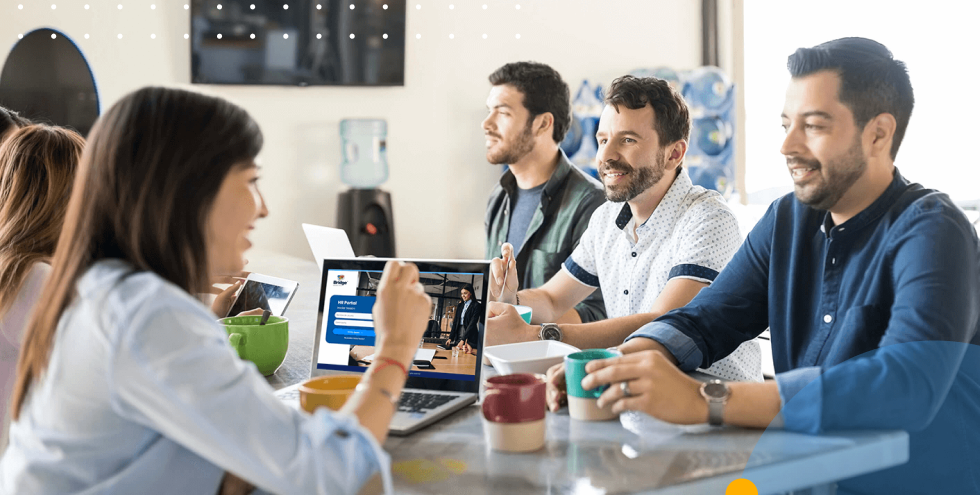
x: 416, y: 402
x: 410, y: 402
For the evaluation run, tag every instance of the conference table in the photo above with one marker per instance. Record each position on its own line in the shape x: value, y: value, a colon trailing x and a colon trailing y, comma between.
x: 635, y: 454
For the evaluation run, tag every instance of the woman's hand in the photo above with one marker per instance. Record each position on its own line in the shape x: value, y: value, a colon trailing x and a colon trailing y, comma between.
x: 233, y: 485
x: 224, y: 298
x: 401, y: 312
x: 252, y: 312
x: 656, y: 385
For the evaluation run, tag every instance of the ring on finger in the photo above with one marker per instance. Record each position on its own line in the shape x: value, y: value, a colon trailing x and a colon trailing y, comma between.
x: 625, y: 388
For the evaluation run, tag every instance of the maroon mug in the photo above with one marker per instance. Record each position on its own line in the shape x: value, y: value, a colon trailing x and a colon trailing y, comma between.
x: 514, y: 398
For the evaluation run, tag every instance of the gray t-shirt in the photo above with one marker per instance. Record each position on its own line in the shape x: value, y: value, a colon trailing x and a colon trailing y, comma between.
x: 523, y: 205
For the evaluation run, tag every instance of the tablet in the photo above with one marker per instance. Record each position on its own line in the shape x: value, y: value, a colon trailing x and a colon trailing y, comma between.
x: 264, y: 292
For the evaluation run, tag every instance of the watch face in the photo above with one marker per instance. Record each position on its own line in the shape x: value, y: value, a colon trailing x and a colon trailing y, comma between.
x: 551, y: 333
x: 715, y: 390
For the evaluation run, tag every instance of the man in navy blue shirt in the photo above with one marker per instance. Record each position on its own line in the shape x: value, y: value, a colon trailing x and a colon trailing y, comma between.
x: 870, y: 285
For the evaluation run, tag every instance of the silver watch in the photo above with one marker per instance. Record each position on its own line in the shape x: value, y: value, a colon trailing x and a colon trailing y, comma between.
x: 550, y: 331
x: 716, y: 392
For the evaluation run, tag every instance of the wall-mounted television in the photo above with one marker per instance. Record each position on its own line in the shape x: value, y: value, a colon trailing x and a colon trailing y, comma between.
x: 298, y: 42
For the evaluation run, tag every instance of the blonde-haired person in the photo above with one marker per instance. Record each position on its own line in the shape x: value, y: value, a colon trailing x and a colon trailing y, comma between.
x: 126, y: 383
x: 37, y: 168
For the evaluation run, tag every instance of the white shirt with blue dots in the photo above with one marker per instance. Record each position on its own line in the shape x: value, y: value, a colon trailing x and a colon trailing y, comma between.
x: 691, y: 234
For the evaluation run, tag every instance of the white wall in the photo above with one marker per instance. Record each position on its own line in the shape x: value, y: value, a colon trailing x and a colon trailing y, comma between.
x: 439, y: 176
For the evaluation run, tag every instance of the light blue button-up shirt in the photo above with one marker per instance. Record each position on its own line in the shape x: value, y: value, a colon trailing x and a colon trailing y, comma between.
x: 143, y: 394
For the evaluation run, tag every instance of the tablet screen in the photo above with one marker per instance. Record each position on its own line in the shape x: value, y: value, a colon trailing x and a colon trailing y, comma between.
x: 261, y: 295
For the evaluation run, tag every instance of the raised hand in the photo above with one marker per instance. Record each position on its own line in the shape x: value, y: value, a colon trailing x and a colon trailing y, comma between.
x: 503, y: 276
x: 401, y: 312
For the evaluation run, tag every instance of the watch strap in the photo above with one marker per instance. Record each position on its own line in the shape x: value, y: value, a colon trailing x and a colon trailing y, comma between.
x: 716, y: 402
x: 716, y: 410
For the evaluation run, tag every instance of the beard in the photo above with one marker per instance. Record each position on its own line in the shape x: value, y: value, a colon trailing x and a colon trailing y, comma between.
x: 639, y: 179
x: 512, y: 152
x: 841, y: 174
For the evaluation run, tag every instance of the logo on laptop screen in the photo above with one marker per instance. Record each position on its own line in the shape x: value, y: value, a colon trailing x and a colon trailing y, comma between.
x: 340, y: 280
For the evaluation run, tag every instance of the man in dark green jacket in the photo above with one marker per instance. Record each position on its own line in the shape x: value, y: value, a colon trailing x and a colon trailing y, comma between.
x: 543, y: 203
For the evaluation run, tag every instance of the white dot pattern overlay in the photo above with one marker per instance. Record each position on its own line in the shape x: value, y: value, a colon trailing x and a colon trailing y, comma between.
x: 692, y: 234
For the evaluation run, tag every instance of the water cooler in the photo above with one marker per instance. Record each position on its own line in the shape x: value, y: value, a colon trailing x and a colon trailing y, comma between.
x: 364, y: 211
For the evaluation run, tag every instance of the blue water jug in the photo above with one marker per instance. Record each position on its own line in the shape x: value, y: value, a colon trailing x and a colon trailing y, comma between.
x: 711, y: 135
x: 708, y: 88
x: 363, y: 145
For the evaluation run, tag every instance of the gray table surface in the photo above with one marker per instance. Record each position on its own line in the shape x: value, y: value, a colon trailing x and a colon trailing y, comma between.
x: 635, y: 454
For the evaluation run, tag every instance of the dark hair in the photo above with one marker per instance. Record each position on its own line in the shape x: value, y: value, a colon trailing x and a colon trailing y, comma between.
x: 468, y: 287
x: 10, y: 120
x: 145, y: 186
x: 544, y: 91
x: 872, y: 82
x: 37, y: 170
x: 671, y: 118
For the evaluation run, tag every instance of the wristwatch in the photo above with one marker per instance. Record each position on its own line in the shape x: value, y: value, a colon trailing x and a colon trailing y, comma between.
x: 716, y: 392
x: 550, y: 331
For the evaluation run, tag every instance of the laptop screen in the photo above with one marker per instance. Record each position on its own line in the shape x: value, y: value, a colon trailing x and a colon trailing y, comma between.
x: 345, y: 325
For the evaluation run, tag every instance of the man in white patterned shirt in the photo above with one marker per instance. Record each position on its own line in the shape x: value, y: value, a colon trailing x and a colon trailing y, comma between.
x: 656, y: 243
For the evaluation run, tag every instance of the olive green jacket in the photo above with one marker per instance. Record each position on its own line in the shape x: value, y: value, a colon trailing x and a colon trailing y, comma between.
x: 567, y: 202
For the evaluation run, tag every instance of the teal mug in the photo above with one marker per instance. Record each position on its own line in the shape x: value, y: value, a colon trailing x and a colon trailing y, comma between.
x: 581, y: 402
x: 525, y: 312
x: 264, y: 345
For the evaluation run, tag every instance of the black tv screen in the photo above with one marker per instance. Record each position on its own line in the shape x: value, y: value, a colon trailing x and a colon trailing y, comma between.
x: 298, y: 42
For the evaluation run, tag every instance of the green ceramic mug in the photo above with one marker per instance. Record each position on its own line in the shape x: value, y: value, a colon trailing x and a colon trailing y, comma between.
x: 582, y: 403
x: 525, y: 312
x: 264, y: 345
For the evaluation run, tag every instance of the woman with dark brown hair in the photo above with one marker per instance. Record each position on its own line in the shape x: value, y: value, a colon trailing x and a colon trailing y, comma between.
x: 37, y: 168
x: 126, y: 383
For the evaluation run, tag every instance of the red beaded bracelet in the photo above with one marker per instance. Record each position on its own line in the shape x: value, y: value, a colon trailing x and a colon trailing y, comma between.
x: 389, y: 362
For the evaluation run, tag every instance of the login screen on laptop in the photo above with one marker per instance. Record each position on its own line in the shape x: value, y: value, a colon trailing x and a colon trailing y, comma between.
x: 346, y: 325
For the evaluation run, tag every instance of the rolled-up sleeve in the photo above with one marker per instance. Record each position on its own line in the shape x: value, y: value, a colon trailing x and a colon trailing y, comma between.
x: 679, y: 345
x: 173, y: 372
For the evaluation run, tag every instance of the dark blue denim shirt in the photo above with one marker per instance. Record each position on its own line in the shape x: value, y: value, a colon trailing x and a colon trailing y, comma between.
x: 905, y: 269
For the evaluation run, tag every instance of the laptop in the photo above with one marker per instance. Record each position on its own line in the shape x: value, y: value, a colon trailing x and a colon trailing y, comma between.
x: 326, y: 242
x: 438, y: 384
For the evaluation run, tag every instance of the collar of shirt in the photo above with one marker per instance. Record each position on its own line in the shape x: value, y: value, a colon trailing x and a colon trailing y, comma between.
x: 669, y: 210
x: 869, y: 214
x: 551, y: 187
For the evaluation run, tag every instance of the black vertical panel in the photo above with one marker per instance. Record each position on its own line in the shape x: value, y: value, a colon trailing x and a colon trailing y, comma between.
x: 48, y: 80
x: 709, y: 32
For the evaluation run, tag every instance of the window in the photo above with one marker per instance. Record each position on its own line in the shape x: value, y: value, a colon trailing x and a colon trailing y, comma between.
x: 933, y: 39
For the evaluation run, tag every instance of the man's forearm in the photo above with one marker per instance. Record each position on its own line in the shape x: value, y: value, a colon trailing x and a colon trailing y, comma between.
x: 542, y: 306
x: 753, y: 405
x: 605, y: 333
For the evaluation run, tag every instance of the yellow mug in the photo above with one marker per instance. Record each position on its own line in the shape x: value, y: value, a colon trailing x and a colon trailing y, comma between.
x: 327, y: 391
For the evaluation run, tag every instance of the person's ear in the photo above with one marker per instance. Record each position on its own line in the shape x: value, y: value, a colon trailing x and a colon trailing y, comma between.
x: 675, y: 154
x: 881, y: 132
x: 543, y: 124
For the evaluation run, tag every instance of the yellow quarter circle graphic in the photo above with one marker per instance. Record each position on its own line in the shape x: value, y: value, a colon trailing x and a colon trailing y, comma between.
x: 741, y: 486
